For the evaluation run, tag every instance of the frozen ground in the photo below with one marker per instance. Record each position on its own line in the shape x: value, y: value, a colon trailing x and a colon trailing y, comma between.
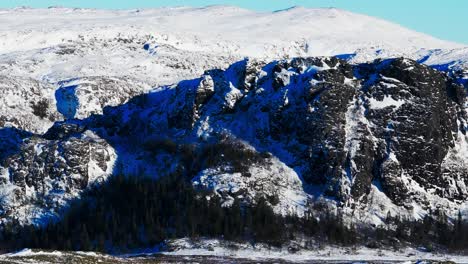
x: 212, y: 251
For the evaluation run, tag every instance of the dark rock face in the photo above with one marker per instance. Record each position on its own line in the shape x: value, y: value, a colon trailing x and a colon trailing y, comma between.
x: 338, y: 125
x: 342, y: 128
x: 418, y: 133
x: 42, y: 174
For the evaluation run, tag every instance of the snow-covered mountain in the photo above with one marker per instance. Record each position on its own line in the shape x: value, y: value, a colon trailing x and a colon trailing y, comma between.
x: 87, y: 93
x: 150, y: 48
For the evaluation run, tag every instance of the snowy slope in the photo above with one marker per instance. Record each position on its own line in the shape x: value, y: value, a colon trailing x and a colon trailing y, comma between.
x: 58, y: 43
x: 244, y: 32
x: 139, y: 49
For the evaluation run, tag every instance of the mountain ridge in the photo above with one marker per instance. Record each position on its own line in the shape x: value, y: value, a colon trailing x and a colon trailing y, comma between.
x: 354, y: 116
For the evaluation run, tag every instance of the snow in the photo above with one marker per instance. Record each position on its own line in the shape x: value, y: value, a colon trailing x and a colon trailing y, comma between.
x: 7, y: 192
x: 28, y: 253
x: 354, y: 117
x: 16, y: 96
x: 77, y: 42
x: 232, y: 96
x: 95, y: 172
x: 101, y: 51
x: 259, y: 252
x: 355, y: 122
x: 391, y: 80
x: 225, y: 251
x: 387, y: 101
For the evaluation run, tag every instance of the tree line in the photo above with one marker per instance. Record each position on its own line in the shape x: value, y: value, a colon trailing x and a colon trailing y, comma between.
x: 131, y: 212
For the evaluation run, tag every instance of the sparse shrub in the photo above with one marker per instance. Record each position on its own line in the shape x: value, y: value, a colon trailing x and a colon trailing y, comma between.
x: 273, y: 199
x: 40, y: 108
x: 160, y: 144
x: 232, y: 153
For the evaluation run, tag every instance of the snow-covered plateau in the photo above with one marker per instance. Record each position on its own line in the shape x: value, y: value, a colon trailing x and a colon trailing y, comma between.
x: 306, y: 107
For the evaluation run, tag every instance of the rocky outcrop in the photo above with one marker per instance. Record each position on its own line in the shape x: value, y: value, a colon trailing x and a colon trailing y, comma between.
x: 44, y: 175
x: 345, y: 127
x: 300, y: 130
x: 26, y: 104
x: 413, y: 116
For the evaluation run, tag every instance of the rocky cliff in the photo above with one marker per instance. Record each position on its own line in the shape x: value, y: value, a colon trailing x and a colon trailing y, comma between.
x: 385, y: 137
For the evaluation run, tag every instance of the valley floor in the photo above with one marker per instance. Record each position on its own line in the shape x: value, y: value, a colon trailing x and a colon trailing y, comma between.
x: 214, y: 251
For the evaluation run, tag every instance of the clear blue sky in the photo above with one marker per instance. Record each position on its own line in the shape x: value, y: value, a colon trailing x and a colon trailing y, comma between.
x: 445, y: 19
